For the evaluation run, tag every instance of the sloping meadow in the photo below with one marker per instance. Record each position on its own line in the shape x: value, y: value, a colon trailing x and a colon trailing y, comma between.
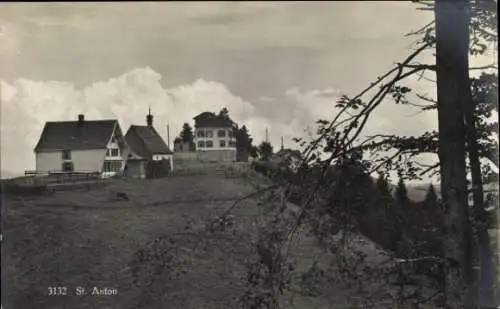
x: 180, y: 242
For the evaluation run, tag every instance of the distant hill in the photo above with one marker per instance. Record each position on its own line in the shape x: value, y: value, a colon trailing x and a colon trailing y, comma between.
x: 417, y: 192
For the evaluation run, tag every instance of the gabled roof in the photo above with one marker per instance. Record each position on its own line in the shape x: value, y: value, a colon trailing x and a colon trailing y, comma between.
x: 208, y: 119
x: 72, y: 135
x: 145, y: 141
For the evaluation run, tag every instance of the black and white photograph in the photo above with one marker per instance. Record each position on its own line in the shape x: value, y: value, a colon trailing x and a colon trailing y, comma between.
x: 249, y: 154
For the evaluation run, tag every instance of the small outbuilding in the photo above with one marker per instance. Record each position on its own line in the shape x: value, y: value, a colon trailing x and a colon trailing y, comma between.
x: 150, y: 156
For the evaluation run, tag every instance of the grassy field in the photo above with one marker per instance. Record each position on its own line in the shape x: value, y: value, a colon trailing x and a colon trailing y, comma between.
x: 148, y: 251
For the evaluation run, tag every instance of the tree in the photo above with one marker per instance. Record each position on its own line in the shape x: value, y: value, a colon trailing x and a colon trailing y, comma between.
x: 254, y: 152
x: 382, y: 186
x: 224, y: 112
x: 243, y: 142
x: 243, y: 139
x: 265, y: 150
x: 452, y: 78
x: 187, y: 135
x: 402, y: 193
x: 342, y: 135
x: 431, y: 198
x: 391, y: 225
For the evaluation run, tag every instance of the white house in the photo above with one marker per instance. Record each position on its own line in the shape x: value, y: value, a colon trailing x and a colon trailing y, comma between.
x: 214, y: 138
x: 82, y: 146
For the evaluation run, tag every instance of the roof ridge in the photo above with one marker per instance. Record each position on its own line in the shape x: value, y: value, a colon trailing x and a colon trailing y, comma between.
x: 96, y: 120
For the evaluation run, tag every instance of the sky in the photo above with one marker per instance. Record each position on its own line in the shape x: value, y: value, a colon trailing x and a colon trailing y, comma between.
x: 275, y: 65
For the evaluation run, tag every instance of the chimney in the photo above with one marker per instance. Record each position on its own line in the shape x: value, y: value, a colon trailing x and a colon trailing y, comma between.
x: 149, y: 118
x: 81, y: 119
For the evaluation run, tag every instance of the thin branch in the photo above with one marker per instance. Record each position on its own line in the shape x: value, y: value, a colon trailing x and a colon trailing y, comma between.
x: 431, y: 67
x: 420, y: 259
x: 484, y: 67
x: 427, y: 99
x: 421, y: 30
x: 385, y: 161
x: 429, y: 169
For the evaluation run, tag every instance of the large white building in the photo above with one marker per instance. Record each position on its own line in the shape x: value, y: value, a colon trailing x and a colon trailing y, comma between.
x: 214, y: 138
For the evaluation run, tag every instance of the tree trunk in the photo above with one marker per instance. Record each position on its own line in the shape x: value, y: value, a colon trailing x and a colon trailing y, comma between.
x: 452, y: 45
x: 480, y: 240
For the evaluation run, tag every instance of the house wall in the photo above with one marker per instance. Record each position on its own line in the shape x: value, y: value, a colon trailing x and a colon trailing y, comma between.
x: 83, y: 160
x: 169, y: 157
x: 210, y: 134
x: 116, y: 141
x: 185, y: 158
x: 136, y: 169
x: 217, y: 155
x: 182, y: 147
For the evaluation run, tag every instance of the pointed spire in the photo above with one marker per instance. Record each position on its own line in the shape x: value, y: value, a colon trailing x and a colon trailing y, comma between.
x: 149, y: 117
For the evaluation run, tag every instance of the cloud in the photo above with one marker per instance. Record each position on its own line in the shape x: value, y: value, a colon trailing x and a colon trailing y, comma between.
x: 127, y: 98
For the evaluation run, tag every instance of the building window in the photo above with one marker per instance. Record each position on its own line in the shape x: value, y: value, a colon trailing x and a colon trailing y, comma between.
x: 222, y: 143
x: 230, y: 133
x: 200, y: 133
x: 66, y: 155
x: 115, y: 152
x: 108, y: 152
x: 232, y: 144
x: 210, y: 144
x: 201, y: 144
x: 209, y: 133
x: 67, y: 167
x: 221, y: 133
x: 112, y: 166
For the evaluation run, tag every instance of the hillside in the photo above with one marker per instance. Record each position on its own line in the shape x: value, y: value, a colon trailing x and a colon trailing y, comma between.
x: 152, y: 250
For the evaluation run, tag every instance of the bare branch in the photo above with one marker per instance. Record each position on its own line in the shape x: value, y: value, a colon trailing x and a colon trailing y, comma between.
x: 427, y: 99
x: 484, y: 67
x: 430, y: 168
x: 421, y: 30
x: 431, y: 67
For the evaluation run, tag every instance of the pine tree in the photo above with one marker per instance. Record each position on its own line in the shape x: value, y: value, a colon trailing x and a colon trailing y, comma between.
x: 224, y: 112
x: 187, y: 135
x: 265, y: 150
x: 382, y: 187
x: 392, y: 230
x: 402, y: 192
x: 431, y: 198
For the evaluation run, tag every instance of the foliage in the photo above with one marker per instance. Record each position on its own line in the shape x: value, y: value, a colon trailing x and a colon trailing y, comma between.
x: 243, y: 139
x: 224, y: 112
x: 402, y: 192
x: 431, y: 198
x: 187, y: 135
x: 265, y: 150
x: 254, y: 152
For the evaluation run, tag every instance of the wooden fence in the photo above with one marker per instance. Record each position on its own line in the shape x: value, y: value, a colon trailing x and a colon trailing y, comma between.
x: 36, y: 183
x: 57, y: 177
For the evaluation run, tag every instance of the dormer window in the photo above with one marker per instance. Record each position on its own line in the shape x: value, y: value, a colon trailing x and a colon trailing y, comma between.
x: 114, y: 152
